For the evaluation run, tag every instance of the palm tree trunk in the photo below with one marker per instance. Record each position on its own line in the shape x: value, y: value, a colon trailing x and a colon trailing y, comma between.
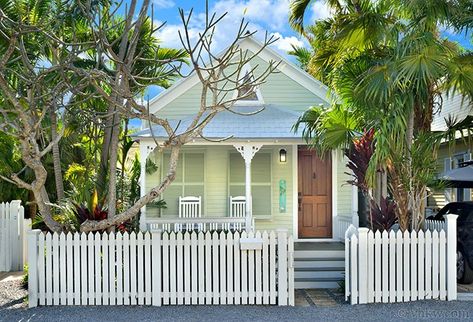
x: 409, y: 141
x: 56, y: 158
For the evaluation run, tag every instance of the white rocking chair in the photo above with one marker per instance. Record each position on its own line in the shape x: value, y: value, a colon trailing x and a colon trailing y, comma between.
x: 237, y: 209
x: 190, y: 207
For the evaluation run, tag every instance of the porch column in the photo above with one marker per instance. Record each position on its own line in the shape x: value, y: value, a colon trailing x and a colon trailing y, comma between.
x: 145, y: 149
x: 248, y: 151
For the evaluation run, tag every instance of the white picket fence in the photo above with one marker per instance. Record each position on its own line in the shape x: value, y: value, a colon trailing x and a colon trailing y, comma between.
x: 341, y: 225
x: 12, y: 235
x: 155, y: 268
x: 400, y: 267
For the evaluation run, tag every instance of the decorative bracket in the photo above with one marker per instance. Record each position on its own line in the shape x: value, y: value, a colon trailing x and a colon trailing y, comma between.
x: 248, y: 150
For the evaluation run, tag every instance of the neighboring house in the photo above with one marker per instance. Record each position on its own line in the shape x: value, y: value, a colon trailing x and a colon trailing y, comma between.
x: 451, y: 155
x: 290, y: 186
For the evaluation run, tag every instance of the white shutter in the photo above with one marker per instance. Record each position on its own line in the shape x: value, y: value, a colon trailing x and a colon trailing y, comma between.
x: 447, y: 165
x: 467, y: 192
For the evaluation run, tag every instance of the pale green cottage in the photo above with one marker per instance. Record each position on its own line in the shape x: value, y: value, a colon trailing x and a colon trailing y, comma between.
x: 290, y: 186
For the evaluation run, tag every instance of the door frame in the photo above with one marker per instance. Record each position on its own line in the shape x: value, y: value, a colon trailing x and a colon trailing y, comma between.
x: 295, y: 185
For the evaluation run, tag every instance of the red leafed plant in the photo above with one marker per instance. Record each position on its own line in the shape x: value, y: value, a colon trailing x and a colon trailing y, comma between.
x: 359, y: 156
x: 383, y: 215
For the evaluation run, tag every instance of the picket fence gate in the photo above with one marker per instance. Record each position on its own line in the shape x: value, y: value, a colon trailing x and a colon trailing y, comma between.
x: 12, y: 236
x: 401, y: 267
x: 155, y: 268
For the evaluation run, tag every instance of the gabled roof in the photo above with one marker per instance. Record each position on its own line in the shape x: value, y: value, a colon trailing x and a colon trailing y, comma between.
x: 267, y: 54
x: 270, y: 123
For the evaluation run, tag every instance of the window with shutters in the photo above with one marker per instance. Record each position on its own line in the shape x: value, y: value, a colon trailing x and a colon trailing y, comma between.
x: 189, y: 180
x: 260, y: 181
x: 457, y: 194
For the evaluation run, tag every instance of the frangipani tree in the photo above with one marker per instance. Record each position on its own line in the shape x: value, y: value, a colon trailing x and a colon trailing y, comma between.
x: 111, y: 58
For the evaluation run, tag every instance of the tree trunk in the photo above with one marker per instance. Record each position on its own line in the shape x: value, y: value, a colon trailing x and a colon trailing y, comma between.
x: 112, y: 175
x: 56, y: 158
x: 409, y: 141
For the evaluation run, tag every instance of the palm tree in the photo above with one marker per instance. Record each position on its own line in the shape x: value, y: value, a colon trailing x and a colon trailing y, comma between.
x: 386, y: 61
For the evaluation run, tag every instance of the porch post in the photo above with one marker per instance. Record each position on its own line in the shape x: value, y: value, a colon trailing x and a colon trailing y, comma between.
x: 248, y: 151
x: 145, y: 149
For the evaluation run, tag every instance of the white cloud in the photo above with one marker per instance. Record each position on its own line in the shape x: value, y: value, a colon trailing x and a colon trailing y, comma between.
x: 272, y: 14
x: 284, y: 44
x: 261, y: 15
x: 320, y: 10
x: 164, y: 3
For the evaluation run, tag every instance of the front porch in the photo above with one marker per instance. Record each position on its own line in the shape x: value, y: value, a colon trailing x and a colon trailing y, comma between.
x: 216, y: 172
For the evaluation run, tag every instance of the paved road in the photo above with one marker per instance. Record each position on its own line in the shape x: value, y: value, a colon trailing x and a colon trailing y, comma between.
x: 427, y: 310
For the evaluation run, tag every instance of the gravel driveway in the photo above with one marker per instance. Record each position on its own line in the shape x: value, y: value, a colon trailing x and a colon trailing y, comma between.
x: 14, y: 308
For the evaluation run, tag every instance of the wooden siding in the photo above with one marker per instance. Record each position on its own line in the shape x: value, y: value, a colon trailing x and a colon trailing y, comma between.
x: 278, y: 90
x: 216, y: 186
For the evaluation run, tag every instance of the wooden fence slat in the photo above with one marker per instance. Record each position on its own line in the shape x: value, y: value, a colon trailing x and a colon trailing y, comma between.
x: 126, y: 269
x: 428, y: 264
x: 392, y: 267
x: 91, y: 268
x: 148, y: 263
x: 180, y: 268
x: 56, y: 272
x: 83, y: 269
x: 442, y: 265
x: 113, y: 280
x: 421, y: 265
x: 223, y: 265
x: 194, y: 270
x: 140, y: 269
x: 377, y: 267
x: 257, y: 270
x: 229, y: 260
x: 119, y: 268
x: 413, y: 266
x: 187, y: 279
x: 272, y: 268
x: 133, y: 269
x: 208, y: 268
x: 201, y: 267
x: 98, y: 268
x: 244, y: 272
x: 354, y: 269
x: 172, y: 269
x: 105, y: 267
x: 406, y: 266
x: 69, y: 274
x: 251, y: 273
x: 371, y: 267
x: 435, y: 264
x: 41, y: 269
x: 166, y: 263
x: 399, y: 267
x: 265, y: 267
x: 237, y: 267
x: 215, y: 269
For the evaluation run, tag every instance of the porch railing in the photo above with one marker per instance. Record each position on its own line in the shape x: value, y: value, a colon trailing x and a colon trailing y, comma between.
x: 197, y: 224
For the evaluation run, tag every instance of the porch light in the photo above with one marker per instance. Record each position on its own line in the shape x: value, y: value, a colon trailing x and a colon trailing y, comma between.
x: 282, y: 155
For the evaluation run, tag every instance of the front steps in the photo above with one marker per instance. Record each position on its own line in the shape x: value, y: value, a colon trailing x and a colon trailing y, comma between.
x: 319, y: 264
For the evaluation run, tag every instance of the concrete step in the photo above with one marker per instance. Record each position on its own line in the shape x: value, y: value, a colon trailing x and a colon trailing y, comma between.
x: 319, y: 262
x: 316, y: 283
x: 318, y: 254
x: 319, y: 272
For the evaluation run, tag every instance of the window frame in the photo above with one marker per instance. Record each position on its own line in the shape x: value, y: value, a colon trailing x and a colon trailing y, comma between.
x: 256, y: 184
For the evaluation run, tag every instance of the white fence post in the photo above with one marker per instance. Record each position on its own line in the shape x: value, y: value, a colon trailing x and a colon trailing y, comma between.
x: 451, y: 221
x: 282, y: 266
x: 156, y: 267
x: 363, y: 265
x: 33, y: 267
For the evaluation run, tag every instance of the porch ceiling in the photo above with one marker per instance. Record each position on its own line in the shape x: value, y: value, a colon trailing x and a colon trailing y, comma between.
x: 271, y: 123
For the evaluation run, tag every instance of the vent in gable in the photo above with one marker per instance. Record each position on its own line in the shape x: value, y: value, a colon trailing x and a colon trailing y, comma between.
x: 249, y: 93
